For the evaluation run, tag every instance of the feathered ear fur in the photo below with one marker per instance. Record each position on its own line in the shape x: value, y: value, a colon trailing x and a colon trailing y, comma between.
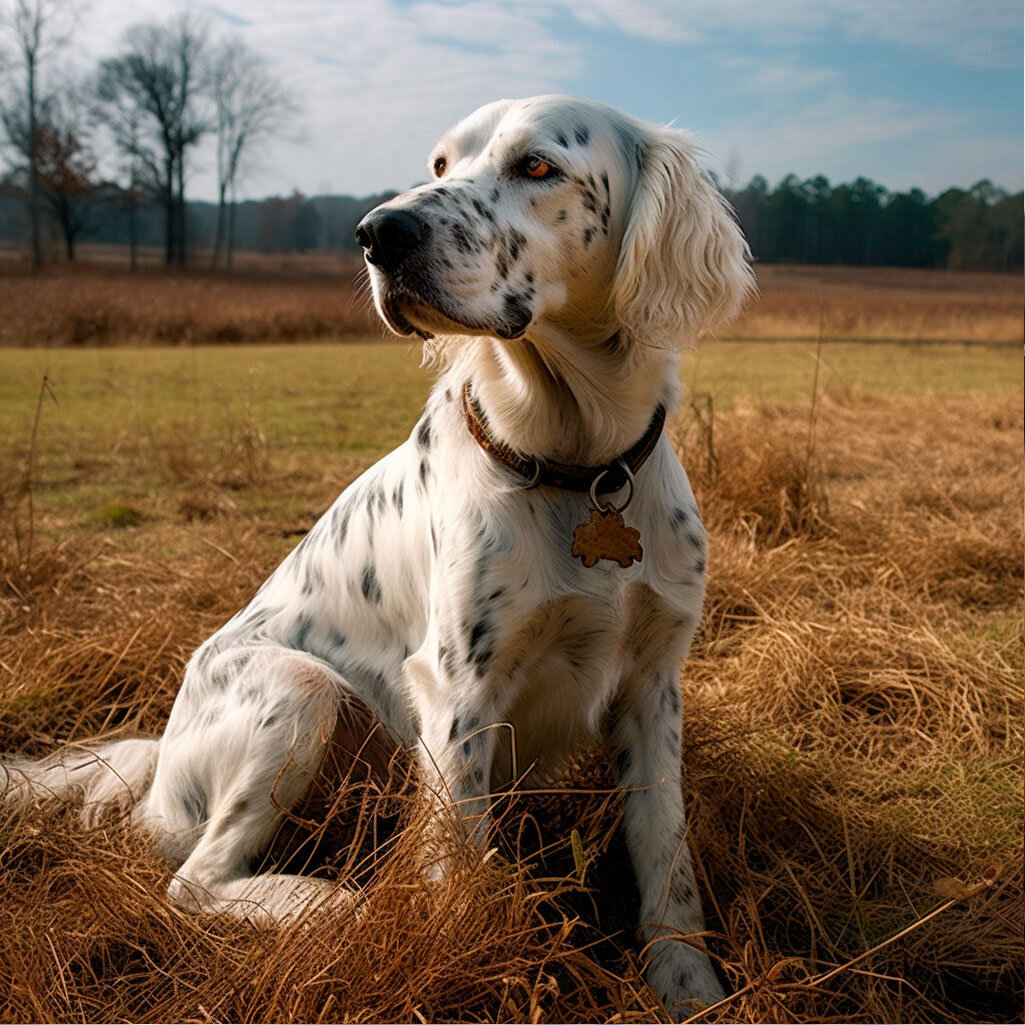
x: 683, y: 265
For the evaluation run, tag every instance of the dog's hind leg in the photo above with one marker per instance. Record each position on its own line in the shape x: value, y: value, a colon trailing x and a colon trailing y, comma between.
x: 238, y: 758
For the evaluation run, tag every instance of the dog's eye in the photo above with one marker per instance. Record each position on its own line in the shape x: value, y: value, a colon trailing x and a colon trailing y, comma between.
x: 439, y: 166
x: 537, y: 167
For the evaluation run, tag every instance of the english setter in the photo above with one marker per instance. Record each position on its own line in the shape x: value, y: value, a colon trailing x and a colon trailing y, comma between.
x: 554, y: 264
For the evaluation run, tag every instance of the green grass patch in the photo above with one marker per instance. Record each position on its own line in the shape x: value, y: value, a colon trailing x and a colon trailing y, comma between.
x: 152, y: 424
x: 116, y: 514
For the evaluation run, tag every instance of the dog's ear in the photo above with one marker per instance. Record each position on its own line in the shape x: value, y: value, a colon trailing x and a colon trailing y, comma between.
x: 683, y: 264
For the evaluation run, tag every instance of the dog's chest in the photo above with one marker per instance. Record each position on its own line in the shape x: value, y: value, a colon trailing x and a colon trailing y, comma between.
x: 552, y: 670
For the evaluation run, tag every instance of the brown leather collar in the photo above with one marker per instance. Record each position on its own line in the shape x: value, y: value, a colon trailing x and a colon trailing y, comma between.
x: 554, y: 474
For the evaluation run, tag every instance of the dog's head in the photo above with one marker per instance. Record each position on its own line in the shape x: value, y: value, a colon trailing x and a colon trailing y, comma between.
x: 558, y: 213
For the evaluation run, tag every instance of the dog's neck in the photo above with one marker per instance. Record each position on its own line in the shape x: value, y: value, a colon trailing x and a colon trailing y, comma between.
x: 556, y: 398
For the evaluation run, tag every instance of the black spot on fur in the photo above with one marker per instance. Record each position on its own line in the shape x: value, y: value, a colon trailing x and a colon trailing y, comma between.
x: 679, y: 516
x: 562, y: 140
x: 454, y: 731
x: 699, y: 565
x: 423, y: 472
x: 494, y: 195
x: 300, y: 632
x: 581, y: 134
x: 561, y: 216
x: 371, y: 586
x: 336, y: 639
x: 480, y: 629
x: 397, y: 496
x: 478, y: 776
x: 623, y: 762
x: 193, y: 801
x: 339, y: 523
x: 313, y: 577
x: 481, y: 649
x: 423, y: 434
x: 588, y: 235
x: 483, y: 210
x: 464, y: 243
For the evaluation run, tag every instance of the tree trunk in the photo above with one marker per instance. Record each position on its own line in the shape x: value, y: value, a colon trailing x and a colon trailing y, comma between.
x: 133, y: 244
x: 181, y: 208
x: 33, y: 165
x: 231, y: 229
x: 219, y: 231
x: 169, y: 212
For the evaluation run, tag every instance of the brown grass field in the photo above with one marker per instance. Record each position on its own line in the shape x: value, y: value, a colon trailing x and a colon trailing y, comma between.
x: 293, y: 297
x: 853, y: 703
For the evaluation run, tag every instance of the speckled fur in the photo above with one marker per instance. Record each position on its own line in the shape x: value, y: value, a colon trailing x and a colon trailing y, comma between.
x: 437, y: 588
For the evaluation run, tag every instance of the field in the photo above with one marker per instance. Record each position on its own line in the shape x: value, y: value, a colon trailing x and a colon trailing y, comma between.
x: 304, y: 297
x: 853, y: 703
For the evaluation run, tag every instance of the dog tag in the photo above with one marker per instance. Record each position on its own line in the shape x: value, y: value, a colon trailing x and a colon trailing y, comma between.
x: 607, y: 537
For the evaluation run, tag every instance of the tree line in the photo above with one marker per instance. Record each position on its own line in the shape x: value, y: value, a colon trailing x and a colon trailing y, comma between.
x: 106, y: 158
x: 860, y: 222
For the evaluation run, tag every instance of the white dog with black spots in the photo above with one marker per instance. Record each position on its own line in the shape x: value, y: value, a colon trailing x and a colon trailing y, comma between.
x: 559, y: 258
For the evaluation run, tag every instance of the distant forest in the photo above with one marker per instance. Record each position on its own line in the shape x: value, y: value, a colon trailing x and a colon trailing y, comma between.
x: 860, y: 222
x: 809, y: 221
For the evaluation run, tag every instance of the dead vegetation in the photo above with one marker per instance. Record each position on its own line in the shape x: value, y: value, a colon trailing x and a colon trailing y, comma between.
x: 852, y: 760
x: 295, y: 298
x: 883, y: 303
x: 95, y: 304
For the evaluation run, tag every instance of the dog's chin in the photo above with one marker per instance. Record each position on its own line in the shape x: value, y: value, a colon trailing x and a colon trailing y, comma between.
x: 408, y: 314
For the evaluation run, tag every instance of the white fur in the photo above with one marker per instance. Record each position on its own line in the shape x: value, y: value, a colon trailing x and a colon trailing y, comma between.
x: 437, y: 588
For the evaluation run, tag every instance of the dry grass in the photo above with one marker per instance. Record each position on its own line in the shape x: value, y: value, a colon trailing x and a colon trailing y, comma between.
x: 94, y: 304
x: 883, y: 303
x: 853, y: 741
x: 292, y: 298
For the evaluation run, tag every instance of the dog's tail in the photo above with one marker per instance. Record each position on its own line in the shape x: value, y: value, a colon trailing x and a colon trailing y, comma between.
x: 99, y: 777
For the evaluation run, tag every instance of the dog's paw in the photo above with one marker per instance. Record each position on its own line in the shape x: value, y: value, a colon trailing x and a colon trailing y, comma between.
x: 684, y: 979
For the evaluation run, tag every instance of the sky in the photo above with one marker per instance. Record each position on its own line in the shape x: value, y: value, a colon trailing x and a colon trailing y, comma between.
x: 907, y: 92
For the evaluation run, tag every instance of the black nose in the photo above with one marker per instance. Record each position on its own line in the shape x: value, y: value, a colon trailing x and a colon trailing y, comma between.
x: 389, y: 236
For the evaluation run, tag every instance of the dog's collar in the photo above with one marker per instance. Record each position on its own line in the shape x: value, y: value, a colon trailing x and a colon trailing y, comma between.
x: 606, y: 479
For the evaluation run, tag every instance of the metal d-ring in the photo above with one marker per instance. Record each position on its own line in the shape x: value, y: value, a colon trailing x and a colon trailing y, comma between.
x: 597, y: 481
x: 533, y: 482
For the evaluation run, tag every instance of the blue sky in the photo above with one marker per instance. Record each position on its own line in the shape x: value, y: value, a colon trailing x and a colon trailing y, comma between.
x: 908, y: 92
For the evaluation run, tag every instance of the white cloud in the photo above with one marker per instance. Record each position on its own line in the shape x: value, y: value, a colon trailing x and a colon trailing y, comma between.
x: 777, y: 77
x: 983, y: 33
x: 378, y: 80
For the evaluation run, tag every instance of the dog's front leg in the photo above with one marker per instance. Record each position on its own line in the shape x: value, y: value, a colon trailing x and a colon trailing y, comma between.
x: 457, y: 745
x: 646, y: 740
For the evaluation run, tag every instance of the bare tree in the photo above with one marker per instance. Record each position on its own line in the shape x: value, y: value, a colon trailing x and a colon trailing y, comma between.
x: 66, y: 169
x: 36, y: 29
x: 151, y: 98
x: 250, y: 106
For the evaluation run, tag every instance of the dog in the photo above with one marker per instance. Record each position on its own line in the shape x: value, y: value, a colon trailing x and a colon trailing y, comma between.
x: 523, y: 574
